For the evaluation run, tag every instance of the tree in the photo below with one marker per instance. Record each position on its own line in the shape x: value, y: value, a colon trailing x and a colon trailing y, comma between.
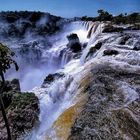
x: 133, y: 17
x: 104, y: 15
x: 5, y: 63
x: 120, y: 19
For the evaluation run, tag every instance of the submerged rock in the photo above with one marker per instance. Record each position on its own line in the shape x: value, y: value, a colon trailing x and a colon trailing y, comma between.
x: 51, y: 77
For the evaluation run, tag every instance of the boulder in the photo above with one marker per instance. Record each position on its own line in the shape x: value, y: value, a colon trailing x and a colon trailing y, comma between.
x: 74, y: 43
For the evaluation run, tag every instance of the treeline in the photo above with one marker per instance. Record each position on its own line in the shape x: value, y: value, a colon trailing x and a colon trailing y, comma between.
x: 33, y: 16
x: 119, y: 19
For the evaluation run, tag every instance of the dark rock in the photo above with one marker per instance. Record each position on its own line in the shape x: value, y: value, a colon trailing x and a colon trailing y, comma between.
x: 94, y: 49
x: 110, y: 29
x: 84, y: 45
x: 75, y: 47
x: 110, y: 52
x: 73, y: 37
x: 35, y: 16
x: 15, y: 85
x: 11, y: 18
x: 74, y: 43
x: 124, y: 39
x: 137, y: 46
x: 51, y: 77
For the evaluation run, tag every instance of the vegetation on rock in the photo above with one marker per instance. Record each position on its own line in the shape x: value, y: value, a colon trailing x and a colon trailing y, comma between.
x: 6, y: 61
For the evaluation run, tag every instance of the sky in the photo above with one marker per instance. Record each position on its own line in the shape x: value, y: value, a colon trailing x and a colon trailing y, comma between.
x: 72, y: 8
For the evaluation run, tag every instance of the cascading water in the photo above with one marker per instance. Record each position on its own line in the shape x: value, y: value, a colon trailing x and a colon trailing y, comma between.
x: 37, y: 60
x: 61, y: 94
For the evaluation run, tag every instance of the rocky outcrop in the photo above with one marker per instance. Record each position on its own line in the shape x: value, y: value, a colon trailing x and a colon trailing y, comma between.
x: 112, y: 109
x: 22, y: 111
x: 51, y: 78
x: 74, y: 43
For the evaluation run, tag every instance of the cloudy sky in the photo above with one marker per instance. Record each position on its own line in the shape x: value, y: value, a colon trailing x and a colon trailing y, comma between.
x: 71, y: 8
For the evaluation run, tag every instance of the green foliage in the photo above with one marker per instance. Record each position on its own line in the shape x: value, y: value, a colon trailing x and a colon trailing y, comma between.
x: 120, y: 19
x: 127, y: 19
x: 6, y: 59
x: 21, y: 100
x: 104, y: 16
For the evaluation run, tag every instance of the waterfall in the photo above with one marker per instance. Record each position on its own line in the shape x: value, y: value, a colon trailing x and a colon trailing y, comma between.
x: 62, y: 94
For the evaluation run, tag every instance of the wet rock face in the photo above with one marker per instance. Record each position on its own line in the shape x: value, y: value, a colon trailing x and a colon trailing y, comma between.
x: 22, y: 111
x: 112, y: 110
x: 74, y: 43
